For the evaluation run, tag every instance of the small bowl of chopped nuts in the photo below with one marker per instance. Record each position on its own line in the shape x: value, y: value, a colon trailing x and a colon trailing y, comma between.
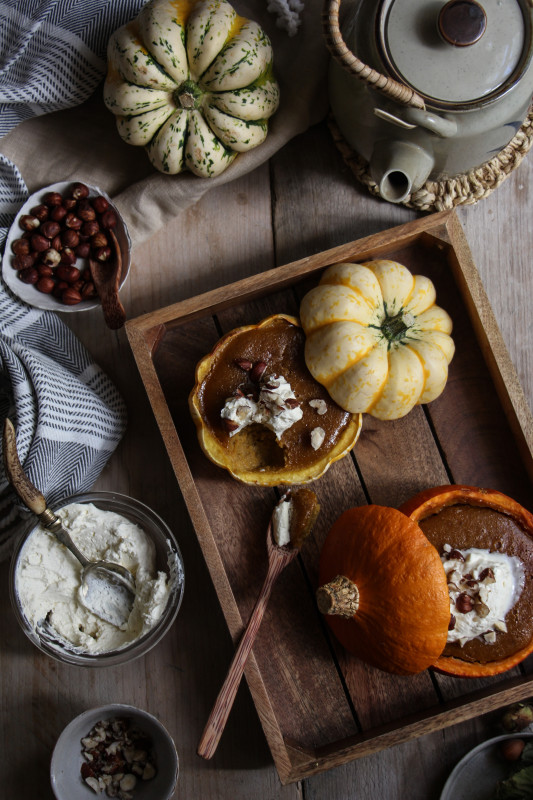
x: 54, y: 235
x: 116, y: 751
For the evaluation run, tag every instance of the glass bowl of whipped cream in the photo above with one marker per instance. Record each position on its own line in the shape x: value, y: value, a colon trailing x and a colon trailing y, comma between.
x: 45, y: 580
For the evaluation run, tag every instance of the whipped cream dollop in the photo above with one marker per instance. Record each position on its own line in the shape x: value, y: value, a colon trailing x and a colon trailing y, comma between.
x: 276, y: 407
x: 48, y: 578
x: 281, y: 521
x: 483, y: 587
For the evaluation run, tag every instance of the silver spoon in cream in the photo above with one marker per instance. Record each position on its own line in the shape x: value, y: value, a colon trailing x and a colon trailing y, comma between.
x: 107, y: 589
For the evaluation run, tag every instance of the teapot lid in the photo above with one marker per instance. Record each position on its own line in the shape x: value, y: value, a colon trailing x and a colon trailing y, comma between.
x: 455, y: 52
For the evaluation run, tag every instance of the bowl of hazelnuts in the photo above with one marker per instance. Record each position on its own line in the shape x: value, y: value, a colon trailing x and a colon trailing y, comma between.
x: 55, y: 236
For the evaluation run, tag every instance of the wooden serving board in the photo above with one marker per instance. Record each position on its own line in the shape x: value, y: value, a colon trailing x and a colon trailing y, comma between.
x: 319, y: 706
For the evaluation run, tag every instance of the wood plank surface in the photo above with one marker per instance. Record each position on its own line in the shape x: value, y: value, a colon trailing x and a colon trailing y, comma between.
x: 305, y: 201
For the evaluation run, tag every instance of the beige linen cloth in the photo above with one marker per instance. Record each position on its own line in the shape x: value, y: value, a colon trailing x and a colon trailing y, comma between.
x: 82, y: 143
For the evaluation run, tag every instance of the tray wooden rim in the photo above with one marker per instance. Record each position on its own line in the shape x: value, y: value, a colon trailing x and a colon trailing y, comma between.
x: 144, y: 333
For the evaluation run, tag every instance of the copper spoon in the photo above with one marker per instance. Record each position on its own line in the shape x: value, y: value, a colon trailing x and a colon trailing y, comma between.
x: 106, y: 279
x: 278, y: 558
x: 107, y: 589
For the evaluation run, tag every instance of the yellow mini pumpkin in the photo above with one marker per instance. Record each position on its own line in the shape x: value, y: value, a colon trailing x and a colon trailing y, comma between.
x: 375, y: 338
x: 191, y: 81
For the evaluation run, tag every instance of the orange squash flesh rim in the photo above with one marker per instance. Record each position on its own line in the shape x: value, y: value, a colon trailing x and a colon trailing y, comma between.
x: 431, y: 501
x: 218, y: 454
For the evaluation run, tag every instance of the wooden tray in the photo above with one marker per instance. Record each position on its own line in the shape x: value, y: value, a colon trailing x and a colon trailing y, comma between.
x: 320, y: 707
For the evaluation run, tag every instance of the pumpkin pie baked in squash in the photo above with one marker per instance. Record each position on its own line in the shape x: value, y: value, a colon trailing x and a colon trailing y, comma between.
x: 260, y: 414
x: 448, y: 586
x: 485, y: 540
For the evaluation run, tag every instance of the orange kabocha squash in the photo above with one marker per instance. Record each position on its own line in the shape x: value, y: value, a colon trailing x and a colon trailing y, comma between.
x: 511, y: 536
x: 384, y: 590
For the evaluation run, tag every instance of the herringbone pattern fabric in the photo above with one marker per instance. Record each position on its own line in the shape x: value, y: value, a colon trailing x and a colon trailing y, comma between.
x: 52, y: 56
x: 68, y: 415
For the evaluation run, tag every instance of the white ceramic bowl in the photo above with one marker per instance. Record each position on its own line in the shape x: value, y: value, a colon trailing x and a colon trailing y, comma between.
x: 168, y: 559
x: 27, y: 292
x: 67, y: 758
x: 477, y: 773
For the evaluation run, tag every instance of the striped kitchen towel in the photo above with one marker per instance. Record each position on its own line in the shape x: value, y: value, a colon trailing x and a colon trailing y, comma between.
x: 68, y: 415
x: 52, y: 56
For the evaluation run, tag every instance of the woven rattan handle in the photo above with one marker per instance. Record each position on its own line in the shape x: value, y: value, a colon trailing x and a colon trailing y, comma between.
x: 339, y: 49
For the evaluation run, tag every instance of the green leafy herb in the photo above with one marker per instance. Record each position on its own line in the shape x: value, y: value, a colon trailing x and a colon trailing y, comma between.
x: 519, y: 785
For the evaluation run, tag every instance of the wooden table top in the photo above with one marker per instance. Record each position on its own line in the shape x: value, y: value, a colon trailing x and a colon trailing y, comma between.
x: 304, y: 201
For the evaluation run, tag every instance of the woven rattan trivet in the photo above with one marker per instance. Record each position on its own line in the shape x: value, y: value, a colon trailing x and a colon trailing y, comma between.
x: 464, y: 189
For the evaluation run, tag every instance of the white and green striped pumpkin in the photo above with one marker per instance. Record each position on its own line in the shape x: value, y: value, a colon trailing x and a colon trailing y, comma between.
x: 191, y: 81
x: 376, y: 339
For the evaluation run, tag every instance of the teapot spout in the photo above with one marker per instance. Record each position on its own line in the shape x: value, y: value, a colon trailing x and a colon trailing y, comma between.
x: 399, y: 168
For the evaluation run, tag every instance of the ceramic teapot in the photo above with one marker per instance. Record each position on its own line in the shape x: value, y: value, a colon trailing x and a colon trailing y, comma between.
x: 428, y: 89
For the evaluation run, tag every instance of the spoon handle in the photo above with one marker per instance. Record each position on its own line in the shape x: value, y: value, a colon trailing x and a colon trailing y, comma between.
x: 30, y: 495
x: 224, y: 702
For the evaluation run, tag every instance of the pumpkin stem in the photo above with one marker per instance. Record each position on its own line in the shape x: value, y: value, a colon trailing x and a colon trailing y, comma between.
x: 395, y: 327
x: 340, y: 596
x: 188, y: 95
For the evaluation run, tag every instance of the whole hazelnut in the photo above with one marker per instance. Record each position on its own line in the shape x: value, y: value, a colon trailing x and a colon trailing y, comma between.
x: 50, y: 229
x: 108, y: 219
x: 67, y: 273
x: 41, y: 212
x: 23, y: 261
x: 52, y: 199
x: 79, y: 190
x: 87, y: 290
x: 39, y: 243
x: 72, y: 221
x: 44, y: 270
x: 102, y: 253
x: 68, y: 256
x: 69, y: 203
x: 85, y: 211
x: 83, y: 250
x: 29, y: 222
x: 51, y: 257
x: 45, y: 285
x: 98, y: 240
x: 20, y: 247
x: 58, y: 213
x: 29, y: 275
x: 100, y: 204
x: 70, y: 238
x: 56, y: 243
x: 511, y: 749
x: 70, y: 297
x: 90, y: 228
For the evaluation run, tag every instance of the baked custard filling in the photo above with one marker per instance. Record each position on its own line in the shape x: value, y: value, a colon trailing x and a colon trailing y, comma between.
x: 488, y: 562
x: 263, y: 405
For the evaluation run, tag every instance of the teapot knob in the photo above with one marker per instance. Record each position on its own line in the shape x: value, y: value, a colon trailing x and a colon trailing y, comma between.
x: 462, y: 22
